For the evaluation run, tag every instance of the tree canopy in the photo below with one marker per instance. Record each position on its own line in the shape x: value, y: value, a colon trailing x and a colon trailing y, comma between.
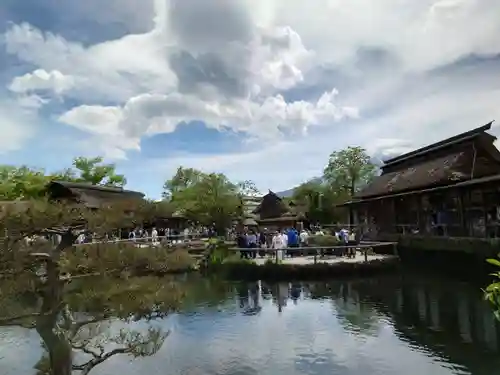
x: 210, y: 198
x: 349, y: 170
x: 319, y: 198
x: 29, y: 183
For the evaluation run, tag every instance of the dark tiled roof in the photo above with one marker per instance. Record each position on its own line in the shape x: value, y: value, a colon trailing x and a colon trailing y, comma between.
x: 444, y: 170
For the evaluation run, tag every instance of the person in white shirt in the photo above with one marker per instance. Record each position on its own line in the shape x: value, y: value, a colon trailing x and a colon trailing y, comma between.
x: 154, y: 236
x: 304, y: 238
x: 81, y: 238
x: 284, y: 238
x: 319, y: 232
x: 278, y: 243
x: 131, y: 235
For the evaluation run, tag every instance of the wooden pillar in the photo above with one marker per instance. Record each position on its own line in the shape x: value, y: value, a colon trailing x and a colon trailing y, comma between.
x: 394, y: 215
x: 485, y: 213
x: 420, y: 214
x: 461, y: 213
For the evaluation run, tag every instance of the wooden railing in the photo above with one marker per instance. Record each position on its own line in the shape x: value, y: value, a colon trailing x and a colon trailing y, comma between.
x: 149, y: 240
x: 318, y: 251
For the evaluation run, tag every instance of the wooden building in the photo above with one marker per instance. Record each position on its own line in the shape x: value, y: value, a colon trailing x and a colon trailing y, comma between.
x: 91, y: 196
x: 274, y: 213
x: 448, y: 189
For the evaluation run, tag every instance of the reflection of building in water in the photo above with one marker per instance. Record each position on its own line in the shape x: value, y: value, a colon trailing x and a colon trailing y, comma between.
x: 490, y: 331
x: 399, y: 301
x: 434, y: 310
x: 464, y: 320
x: 464, y: 315
x: 445, y: 318
x: 422, y: 304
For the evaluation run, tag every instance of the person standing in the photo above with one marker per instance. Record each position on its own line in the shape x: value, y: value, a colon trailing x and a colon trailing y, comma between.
x: 154, y: 236
x: 304, y: 240
x: 293, y: 240
x: 278, y: 243
x: 252, y: 244
x: 241, y: 242
x: 344, y: 238
x: 262, y: 243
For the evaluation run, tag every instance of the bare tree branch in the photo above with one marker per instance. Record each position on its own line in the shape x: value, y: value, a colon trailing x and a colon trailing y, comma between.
x: 87, y: 367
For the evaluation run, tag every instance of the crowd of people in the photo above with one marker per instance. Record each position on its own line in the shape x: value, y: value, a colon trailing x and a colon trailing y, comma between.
x: 254, y: 242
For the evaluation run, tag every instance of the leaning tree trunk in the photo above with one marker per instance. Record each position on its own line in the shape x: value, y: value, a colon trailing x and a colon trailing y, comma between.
x: 55, y: 337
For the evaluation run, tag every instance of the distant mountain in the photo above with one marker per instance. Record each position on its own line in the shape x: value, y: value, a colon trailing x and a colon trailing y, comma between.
x: 285, y: 193
x: 289, y: 193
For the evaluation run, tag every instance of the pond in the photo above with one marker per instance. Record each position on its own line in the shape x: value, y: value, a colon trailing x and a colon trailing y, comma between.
x: 390, y: 325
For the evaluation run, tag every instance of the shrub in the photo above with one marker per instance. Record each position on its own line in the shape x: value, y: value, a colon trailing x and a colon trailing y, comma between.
x: 324, y: 241
x: 126, y: 257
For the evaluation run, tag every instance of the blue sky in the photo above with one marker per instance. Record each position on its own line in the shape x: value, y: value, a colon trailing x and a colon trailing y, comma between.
x: 261, y: 90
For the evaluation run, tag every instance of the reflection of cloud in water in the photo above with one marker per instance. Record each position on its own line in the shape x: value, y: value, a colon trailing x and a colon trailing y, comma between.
x: 20, y: 349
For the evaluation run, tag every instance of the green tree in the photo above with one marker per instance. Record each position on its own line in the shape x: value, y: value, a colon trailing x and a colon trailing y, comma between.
x: 349, y: 170
x: 210, y: 198
x: 29, y: 183
x: 42, y: 271
x: 181, y: 180
x: 94, y: 171
x: 21, y: 182
x: 319, y: 198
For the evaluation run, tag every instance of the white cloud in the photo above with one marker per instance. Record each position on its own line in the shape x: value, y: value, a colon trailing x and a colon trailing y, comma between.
x: 16, y: 126
x: 174, y: 75
x: 41, y: 80
x: 400, y: 65
x: 150, y: 113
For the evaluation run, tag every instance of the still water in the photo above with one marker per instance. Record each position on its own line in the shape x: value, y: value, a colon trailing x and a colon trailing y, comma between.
x: 392, y: 325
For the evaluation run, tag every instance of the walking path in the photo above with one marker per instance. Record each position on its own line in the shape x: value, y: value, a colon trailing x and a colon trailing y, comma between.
x: 305, y: 260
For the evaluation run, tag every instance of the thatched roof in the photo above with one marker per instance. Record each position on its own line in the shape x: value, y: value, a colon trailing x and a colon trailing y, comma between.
x: 249, y: 222
x: 442, y: 163
x: 444, y: 170
x: 434, y: 148
x: 92, y: 196
x: 472, y: 182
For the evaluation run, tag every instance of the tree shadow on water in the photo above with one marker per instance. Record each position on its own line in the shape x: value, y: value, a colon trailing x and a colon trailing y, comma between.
x: 90, y: 320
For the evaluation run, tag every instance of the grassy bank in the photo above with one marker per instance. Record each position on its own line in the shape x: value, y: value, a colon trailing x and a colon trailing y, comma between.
x: 125, y: 257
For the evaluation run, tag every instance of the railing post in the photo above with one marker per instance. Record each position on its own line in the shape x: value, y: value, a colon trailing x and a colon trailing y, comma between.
x: 276, y: 255
x: 366, y: 254
x: 315, y: 256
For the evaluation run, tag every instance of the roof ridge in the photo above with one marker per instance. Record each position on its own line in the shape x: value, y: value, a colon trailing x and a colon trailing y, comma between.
x: 438, y: 145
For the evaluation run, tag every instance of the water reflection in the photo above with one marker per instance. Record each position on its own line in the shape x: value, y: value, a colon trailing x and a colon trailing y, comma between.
x: 375, y: 326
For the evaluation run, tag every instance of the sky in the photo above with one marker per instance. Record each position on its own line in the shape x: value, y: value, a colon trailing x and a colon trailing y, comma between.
x: 262, y: 90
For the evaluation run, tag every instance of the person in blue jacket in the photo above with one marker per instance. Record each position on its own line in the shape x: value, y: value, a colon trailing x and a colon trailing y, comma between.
x: 293, y: 240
